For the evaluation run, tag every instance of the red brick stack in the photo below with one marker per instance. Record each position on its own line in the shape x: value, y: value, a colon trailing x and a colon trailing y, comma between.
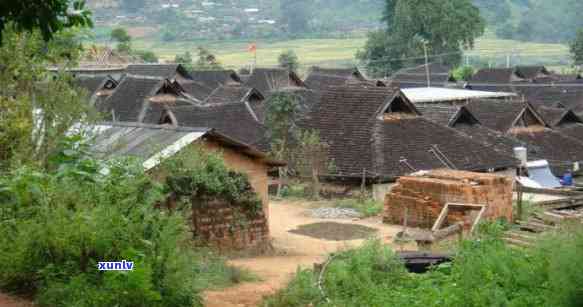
x: 425, y: 195
x: 226, y: 227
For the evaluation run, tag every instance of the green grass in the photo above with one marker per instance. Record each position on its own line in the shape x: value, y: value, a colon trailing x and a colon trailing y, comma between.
x: 340, y: 52
x: 367, y: 207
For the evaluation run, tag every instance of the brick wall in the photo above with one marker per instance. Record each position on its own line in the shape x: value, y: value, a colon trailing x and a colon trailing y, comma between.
x: 424, y: 197
x: 217, y: 224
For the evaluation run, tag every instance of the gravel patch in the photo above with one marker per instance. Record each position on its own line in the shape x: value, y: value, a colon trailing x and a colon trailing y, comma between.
x: 334, y: 213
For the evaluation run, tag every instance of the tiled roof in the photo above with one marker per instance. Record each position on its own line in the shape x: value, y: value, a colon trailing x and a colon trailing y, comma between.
x: 268, y: 80
x: 558, y: 116
x: 235, y: 120
x: 348, y: 120
x: 494, y: 76
x: 426, y: 145
x: 232, y: 94
x: 559, y: 149
x: 575, y: 131
x: 157, y: 70
x: 197, y: 90
x: 320, y: 78
x: 412, y: 77
x: 90, y: 84
x: 498, y: 141
x: 215, y: 78
x: 445, y: 114
x: 531, y: 72
x: 131, y: 100
x: 502, y: 115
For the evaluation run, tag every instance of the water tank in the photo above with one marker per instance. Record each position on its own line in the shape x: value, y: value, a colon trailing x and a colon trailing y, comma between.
x: 520, y: 154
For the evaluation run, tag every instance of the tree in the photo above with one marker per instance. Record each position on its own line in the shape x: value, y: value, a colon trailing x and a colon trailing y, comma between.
x: 463, y: 73
x: 123, y: 39
x: 48, y: 17
x: 37, y: 107
x: 147, y: 56
x: 288, y: 60
x: 185, y: 59
x: 576, y: 48
x: 207, y: 60
x: 312, y: 158
x: 296, y: 15
x: 444, y: 26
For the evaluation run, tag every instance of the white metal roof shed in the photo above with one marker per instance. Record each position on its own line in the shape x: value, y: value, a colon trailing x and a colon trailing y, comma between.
x: 437, y: 94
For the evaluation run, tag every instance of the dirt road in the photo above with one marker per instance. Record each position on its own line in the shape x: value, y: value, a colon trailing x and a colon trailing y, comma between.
x: 297, y: 250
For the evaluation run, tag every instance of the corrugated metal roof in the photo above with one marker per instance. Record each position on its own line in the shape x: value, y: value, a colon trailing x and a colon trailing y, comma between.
x: 436, y: 94
x: 145, y: 143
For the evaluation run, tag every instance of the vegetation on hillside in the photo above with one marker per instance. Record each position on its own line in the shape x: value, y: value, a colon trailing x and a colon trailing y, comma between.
x: 485, y: 272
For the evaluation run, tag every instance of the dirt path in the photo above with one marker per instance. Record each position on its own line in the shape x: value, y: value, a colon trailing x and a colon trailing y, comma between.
x: 10, y: 301
x: 297, y: 250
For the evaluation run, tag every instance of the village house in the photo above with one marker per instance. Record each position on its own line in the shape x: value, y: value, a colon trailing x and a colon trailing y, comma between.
x: 439, y: 76
x: 152, y: 144
x: 319, y: 78
x: 269, y: 80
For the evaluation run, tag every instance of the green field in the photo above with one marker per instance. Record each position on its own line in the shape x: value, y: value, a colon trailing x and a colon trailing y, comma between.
x: 340, y: 52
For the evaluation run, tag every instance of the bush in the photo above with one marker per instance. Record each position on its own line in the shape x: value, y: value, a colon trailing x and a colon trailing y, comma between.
x: 55, y: 227
x: 485, y: 272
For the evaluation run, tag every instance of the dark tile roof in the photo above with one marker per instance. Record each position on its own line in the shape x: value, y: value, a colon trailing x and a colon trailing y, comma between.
x: 532, y: 72
x: 443, y: 114
x: 417, y: 76
x: 559, y: 149
x: 235, y: 120
x: 90, y: 84
x: 267, y: 80
x: 500, y: 76
x: 504, y: 115
x: 320, y: 78
x: 349, y: 120
x: 498, y: 141
x: 558, y: 116
x: 215, y: 78
x: 575, y: 131
x: 196, y: 90
x: 233, y: 94
x: 158, y: 70
x: 427, y: 145
x: 134, y: 96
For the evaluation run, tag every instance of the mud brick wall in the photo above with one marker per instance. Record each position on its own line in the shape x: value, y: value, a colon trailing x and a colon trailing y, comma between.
x: 218, y: 224
x: 424, y: 197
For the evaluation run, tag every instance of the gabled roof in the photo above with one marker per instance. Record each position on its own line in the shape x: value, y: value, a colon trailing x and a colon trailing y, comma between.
x: 424, y: 145
x: 359, y: 139
x: 233, y: 94
x: 320, y: 78
x: 447, y: 115
x: 412, y: 77
x: 215, y: 78
x: 135, y: 95
x: 502, y: 143
x: 196, y: 90
x: 168, y: 71
x: 154, y: 143
x: 558, y: 116
x: 575, y: 131
x: 505, y: 115
x: 501, y: 76
x: 94, y: 83
x: 267, y: 80
x: 532, y: 72
x: 236, y: 120
x: 559, y: 149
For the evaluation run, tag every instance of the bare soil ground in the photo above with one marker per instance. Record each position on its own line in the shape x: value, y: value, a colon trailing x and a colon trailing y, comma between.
x: 293, y: 251
x: 10, y: 301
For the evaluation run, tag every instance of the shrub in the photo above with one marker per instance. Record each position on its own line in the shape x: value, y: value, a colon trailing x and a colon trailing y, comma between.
x: 366, y: 207
x: 485, y: 272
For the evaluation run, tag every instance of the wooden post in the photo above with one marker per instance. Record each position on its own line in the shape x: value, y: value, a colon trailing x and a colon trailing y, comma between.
x: 518, y: 202
x: 363, y: 184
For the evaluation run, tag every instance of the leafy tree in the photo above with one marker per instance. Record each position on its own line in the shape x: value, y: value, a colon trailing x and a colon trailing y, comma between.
x: 576, y: 48
x: 463, y: 73
x: 37, y: 107
x: 445, y: 26
x: 296, y: 15
x: 185, y: 59
x: 288, y: 60
x: 206, y: 60
x: 123, y: 39
x: 147, y: 56
x: 49, y: 17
